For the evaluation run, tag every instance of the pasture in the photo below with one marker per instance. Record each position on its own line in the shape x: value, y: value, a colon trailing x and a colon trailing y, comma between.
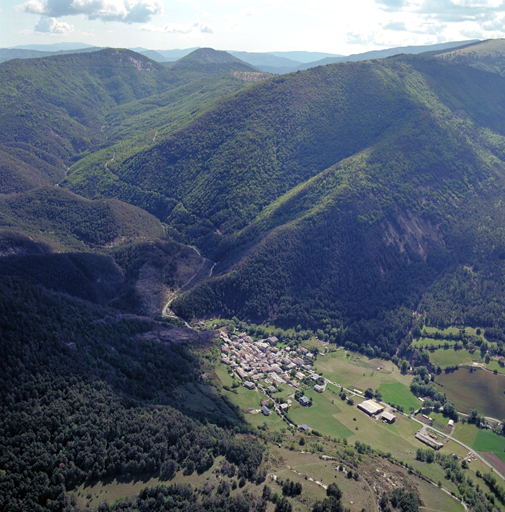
x: 397, y: 393
x: 450, y: 357
x: 355, y: 371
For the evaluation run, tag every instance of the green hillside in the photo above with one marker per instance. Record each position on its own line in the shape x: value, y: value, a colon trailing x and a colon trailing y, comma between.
x: 69, y: 222
x: 338, y: 197
x: 52, y: 109
x: 486, y: 55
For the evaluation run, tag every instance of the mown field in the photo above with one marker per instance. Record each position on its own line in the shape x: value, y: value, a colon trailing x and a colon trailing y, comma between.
x: 477, y: 389
x: 355, y: 371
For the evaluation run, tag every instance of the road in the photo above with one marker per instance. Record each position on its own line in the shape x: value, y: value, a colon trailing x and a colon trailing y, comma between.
x: 166, y: 310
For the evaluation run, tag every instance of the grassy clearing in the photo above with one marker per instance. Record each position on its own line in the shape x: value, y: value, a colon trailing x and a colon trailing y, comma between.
x: 111, y: 489
x: 449, y: 357
x: 356, y: 495
x: 399, y: 394
x: 465, y: 433
x: 475, y: 389
x: 432, y: 342
x: 448, y: 330
x: 436, y: 499
x: 494, y: 366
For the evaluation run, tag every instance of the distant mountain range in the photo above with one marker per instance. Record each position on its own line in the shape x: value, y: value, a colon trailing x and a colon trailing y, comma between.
x: 270, y: 62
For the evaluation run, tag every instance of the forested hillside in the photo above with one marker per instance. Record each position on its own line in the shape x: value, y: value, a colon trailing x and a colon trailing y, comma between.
x: 342, y: 197
x: 53, y: 109
x: 334, y: 197
x: 84, y: 395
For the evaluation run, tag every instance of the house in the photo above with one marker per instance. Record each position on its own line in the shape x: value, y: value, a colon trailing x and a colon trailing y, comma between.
x: 265, y: 410
x: 370, y: 407
x: 318, y: 388
x: 284, y: 406
x: 272, y: 389
x: 304, y: 401
x: 264, y: 402
x: 249, y: 385
x: 314, y: 377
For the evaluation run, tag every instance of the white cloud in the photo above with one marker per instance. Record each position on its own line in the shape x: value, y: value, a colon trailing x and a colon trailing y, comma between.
x: 180, y: 28
x: 53, y: 26
x: 395, y: 25
x: 127, y: 11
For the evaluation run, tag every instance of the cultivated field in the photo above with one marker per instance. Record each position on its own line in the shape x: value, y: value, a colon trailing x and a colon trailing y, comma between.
x: 477, y: 389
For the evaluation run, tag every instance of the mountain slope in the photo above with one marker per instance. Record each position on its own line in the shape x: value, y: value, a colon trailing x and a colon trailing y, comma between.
x: 390, y: 52
x: 485, y: 55
x: 339, y: 193
x: 53, y: 109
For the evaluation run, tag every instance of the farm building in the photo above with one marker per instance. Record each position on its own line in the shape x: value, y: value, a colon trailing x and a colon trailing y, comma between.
x: 389, y: 417
x: 304, y: 427
x: 265, y: 410
x: 424, y: 438
x: 318, y: 388
x: 370, y: 407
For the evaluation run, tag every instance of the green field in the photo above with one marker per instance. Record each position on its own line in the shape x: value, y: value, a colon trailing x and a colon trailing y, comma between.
x: 448, y: 330
x: 321, y: 415
x: 449, y: 357
x: 432, y: 342
x: 353, y: 370
x: 399, y: 394
x: 488, y: 441
x: 478, y: 389
x: 495, y: 366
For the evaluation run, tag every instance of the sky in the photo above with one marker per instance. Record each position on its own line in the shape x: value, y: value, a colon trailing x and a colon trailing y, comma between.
x: 332, y: 26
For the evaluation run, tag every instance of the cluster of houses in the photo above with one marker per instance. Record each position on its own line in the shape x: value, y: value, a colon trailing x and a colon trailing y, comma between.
x: 262, y: 360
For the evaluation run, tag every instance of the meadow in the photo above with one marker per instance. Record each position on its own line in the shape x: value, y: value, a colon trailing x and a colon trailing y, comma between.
x: 450, y: 357
x: 355, y: 371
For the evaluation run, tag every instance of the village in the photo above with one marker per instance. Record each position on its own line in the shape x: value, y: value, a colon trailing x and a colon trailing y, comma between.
x: 261, y: 364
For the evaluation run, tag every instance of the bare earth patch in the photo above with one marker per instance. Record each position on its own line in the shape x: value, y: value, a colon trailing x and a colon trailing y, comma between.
x: 495, y: 461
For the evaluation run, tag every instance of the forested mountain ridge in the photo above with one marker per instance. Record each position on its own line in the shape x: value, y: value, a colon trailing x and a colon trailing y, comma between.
x: 334, y: 195
x: 53, y: 109
x: 485, y: 55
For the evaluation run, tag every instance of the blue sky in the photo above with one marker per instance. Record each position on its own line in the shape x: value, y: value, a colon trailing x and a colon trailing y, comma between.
x: 334, y: 26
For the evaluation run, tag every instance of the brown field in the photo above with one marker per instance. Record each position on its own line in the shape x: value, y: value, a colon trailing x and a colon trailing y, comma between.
x: 495, y: 461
